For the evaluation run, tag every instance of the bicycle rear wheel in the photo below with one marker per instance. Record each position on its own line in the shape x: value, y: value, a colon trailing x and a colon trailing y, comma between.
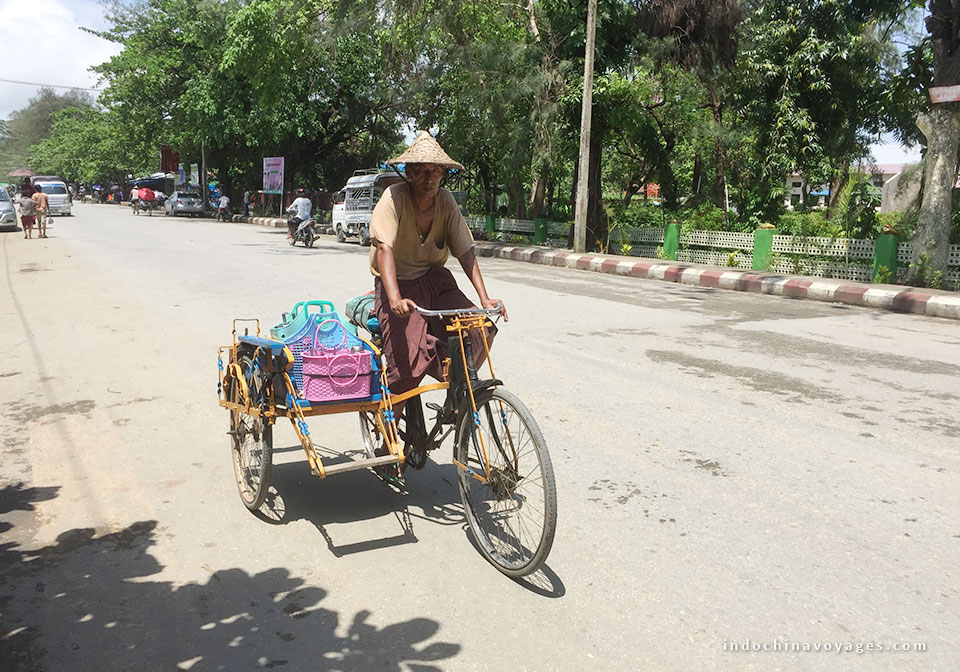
x: 251, y: 439
x: 512, y: 509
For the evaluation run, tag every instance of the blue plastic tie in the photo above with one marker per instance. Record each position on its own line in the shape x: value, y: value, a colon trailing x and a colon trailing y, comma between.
x: 503, y: 414
x: 219, y: 362
x: 476, y: 419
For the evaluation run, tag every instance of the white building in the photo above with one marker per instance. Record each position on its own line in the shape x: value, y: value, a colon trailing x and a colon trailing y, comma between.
x: 819, y: 194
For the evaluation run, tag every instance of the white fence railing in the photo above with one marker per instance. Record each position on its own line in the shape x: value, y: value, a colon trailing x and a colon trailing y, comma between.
x: 852, y: 248
x: 841, y: 258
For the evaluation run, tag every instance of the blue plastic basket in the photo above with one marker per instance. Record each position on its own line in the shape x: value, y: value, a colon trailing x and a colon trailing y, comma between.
x: 298, y: 318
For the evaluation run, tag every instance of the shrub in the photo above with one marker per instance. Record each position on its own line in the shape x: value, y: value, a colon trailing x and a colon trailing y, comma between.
x: 808, y: 225
x: 707, y: 217
x: 640, y: 216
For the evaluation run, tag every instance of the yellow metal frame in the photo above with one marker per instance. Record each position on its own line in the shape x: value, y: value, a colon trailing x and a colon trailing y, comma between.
x: 382, y: 408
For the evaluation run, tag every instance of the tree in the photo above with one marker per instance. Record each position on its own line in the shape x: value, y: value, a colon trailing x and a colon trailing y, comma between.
x: 940, y: 124
x: 245, y: 79
x: 31, y: 124
x: 813, y: 91
x: 704, y: 36
x: 87, y: 145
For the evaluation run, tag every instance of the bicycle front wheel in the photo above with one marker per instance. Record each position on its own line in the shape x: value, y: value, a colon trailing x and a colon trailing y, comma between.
x: 507, y: 483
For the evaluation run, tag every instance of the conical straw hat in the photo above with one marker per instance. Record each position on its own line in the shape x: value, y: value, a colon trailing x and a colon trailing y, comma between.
x: 425, y: 150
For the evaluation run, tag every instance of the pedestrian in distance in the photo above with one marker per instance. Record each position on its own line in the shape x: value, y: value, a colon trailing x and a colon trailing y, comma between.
x: 135, y: 200
x: 246, y: 203
x: 43, y: 210
x: 223, y: 209
x: 28, y: 211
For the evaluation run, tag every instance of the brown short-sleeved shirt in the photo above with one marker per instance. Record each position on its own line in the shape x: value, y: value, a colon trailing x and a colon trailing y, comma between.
x: 394, y: 223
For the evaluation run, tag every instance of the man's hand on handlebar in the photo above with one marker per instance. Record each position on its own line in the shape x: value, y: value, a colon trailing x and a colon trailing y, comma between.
x: 402, y: 307
x: 492, y: 303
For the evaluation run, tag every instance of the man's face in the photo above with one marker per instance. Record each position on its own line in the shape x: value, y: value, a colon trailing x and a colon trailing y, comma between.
x: 425, y: 177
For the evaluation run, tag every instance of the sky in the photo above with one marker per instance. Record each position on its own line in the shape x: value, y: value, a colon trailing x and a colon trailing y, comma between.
x: 50, y: 49
x: 56, y: 51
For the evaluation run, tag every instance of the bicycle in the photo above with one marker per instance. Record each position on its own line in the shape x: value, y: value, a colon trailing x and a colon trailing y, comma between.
x: 505, y: 476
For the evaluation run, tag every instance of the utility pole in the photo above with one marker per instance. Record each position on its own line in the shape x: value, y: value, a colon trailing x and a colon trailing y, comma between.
x: 203, y: 177
x: 580, y: 222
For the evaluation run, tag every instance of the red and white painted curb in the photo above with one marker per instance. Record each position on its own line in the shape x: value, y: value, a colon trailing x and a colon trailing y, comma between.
x: 889, y: 297
x: 272, y: 222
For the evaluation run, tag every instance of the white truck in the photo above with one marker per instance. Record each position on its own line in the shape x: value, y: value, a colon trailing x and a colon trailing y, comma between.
x: 353, y: 205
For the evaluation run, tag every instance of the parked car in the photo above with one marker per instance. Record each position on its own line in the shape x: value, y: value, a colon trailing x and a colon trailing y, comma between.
x: 58, y: 196
x: 183, y: 203
x: 8, y: 214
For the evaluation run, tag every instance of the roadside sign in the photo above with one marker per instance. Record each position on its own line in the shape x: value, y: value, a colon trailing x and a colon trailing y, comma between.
x: 945, y: 94
x: 273, y: 174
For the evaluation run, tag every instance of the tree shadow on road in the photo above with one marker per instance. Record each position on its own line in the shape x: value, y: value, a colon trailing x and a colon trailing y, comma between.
x: 94, y: 601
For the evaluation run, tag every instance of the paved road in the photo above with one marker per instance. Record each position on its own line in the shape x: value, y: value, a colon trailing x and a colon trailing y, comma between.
x: 731, y: 467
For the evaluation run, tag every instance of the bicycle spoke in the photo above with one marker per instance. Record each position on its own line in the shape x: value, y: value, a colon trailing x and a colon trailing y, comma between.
x: 513, y: 516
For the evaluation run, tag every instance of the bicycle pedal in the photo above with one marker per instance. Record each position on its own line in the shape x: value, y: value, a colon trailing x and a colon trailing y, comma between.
x: 416, y: 458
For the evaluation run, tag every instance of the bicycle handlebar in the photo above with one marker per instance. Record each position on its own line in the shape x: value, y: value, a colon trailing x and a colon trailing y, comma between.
x: 489, y: 312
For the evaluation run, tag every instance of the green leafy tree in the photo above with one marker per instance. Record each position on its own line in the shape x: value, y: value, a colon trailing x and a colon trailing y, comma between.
x: 86, y: 145
x: 813, y: 91
x: 243, y: 80
x: 31, y: 124
x: 703, y: 39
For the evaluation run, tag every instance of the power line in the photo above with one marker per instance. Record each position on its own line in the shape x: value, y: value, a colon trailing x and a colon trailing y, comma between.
x: 52, y: 86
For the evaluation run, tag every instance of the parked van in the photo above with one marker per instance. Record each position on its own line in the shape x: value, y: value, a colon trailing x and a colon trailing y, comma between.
x: 58, y: 196
x: 360, y: 195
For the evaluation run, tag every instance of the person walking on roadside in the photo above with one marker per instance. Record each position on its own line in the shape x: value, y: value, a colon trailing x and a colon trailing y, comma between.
x: 223, y: 208
x: 28, y: 211
x: 43, y: 210
x: 246, y: 203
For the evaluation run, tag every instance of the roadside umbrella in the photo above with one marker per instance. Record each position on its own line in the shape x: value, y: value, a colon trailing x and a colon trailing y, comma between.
x: 20, y: 172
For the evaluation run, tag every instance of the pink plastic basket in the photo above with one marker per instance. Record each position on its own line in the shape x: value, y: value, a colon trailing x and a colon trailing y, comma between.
x: 341, y: 376
x: 334, y: 373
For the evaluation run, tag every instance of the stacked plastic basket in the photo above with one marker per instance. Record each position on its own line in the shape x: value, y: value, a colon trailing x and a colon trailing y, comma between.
x: 340, y: 366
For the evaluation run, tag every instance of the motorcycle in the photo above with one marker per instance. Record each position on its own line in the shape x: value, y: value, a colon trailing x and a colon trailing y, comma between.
x: 305, y: 232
